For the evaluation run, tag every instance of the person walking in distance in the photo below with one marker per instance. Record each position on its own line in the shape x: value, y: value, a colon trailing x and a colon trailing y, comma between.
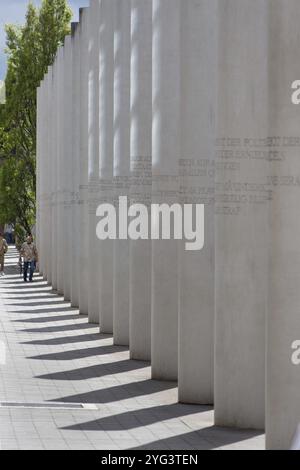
x: 30, y: 255
x: 3, y: 251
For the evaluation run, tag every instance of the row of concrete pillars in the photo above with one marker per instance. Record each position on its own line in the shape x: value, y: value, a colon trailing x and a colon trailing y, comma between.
x: 173, y: 101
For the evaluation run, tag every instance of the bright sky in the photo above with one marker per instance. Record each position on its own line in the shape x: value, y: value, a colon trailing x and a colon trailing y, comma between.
x: 13, y: 11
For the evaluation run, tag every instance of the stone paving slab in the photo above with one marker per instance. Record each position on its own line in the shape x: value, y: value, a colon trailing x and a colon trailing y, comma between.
x: 53, y: 355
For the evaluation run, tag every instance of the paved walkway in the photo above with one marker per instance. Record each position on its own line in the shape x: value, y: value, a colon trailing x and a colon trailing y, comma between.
x: 65, y: 386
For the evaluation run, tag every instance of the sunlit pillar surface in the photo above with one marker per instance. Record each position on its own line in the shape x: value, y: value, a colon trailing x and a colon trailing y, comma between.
x: 106, y: 122
x: 283, y: 322
x: 53, y: 135
x: 83, y: 188
x: 196, y: 278
x: 39, y: 171
x: 141, y: 172
x: 68, y: 162
x: 43, y: 178
x: 38, y: 164
x: 93, y: 163
x: 241, y: 213
x: 165, y: 161
x: 60, y: 169
x: 75, y: 175
x: 45, y: 250
x: 122, y: 14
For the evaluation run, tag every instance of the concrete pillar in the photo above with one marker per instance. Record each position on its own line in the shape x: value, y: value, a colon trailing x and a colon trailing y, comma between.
x: 48, y: 180
x: 196, y: 286
x: 60, y: 169
x: 39, y: 171
x: 93, y: 163
x: 38, y: 162
x: 141, y: 175
x: 54, y: 171
x: 68, y: 161
x: 74, y: 235
x: 83, y: 189
x: 43, y: 184
x: 106, y: 113
x: 45, y: 181
x: 241, y: 213
x: 122, y: 15
x: 283, y: 320
x: 165, y: 160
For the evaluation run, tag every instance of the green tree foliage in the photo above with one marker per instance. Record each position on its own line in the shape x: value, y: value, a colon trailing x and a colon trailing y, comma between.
x: 30, y: 49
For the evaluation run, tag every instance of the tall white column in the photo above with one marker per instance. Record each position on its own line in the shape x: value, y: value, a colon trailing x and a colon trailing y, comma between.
x: 68, y: 116
x: 93, y: 164
x: 241, y: 213
x: 48, y: 175
x: 46, y: 182
x: 53, y: 107
x: 106, y: 113
x: 60, y: 170
x: 75, y: 175
x: 283, y: 321
x: 165, y: 160
x: 83, y: 189
x: 196, y: 294
x: 45, y: 187
x: 122, y: 15
x: 38, y: 164
x: 40, y: 171
x: 141, y: 172
x: 42, y: 151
